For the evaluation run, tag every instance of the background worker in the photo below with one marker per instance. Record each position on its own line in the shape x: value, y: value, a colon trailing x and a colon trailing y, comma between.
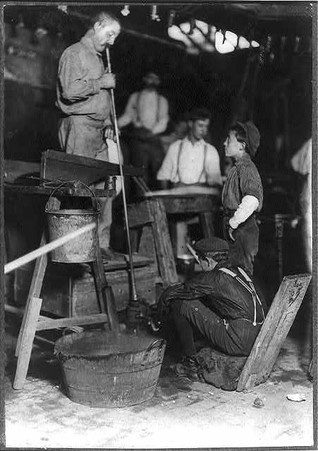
x: 221, y: 302
x: 84, y: 99
x: 242, y: 195
x: 177, y: 129
x: 301, y: 163
x: 191, y: 161
x: 148, y: 113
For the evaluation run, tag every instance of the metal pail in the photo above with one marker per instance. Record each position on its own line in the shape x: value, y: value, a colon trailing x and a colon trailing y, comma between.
x: 61, y: 222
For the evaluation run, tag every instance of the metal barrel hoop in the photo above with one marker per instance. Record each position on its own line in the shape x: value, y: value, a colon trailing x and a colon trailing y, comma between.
x: 152, y: 346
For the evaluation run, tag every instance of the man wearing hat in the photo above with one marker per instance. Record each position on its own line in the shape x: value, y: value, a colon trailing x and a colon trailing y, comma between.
x: 221, y: 302
x: 148, y: 114
x: 242, y: 195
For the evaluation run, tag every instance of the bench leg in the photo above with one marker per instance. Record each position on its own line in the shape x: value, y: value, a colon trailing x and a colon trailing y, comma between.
x: 206, y: 220
x: 27, y: 333
x: 105, y: 293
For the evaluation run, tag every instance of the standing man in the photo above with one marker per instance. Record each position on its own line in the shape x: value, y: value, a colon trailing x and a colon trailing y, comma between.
x: 83, y: 96
x: 191, y: 161
x: 242, y: 195
x: 148, y: 113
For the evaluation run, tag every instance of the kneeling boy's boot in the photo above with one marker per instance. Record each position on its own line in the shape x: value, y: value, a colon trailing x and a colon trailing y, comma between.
x: 188, y: 368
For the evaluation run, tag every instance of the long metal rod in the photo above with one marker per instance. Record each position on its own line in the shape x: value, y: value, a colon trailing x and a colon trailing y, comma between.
x: 132, y: 274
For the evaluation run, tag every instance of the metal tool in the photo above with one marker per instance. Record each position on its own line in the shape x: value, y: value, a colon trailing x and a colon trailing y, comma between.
x: 193, y: 253
x: 133, y: 282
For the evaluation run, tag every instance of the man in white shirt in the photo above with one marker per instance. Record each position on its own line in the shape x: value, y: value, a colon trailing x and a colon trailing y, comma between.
x: 191, y: 161
x: 148, y: 114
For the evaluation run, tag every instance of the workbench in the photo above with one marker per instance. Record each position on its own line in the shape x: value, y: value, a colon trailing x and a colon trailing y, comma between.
x: 184, y: 203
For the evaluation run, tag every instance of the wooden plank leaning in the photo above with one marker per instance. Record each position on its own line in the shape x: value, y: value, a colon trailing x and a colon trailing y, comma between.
x: 276, y: 326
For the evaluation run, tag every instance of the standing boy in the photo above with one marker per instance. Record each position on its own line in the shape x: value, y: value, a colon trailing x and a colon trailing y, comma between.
x: 242, y: 195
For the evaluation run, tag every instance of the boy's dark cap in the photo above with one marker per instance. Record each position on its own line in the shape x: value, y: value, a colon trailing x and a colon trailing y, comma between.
x: 253, y: 136
x: 211, y: 245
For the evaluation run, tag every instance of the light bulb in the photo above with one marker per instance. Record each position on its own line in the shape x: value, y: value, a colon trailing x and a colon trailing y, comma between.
x: 125, y: 11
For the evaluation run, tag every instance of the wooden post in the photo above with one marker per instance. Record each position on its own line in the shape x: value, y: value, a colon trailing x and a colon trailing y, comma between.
x: 105, y: 291
x: 35, y: 289
x: 166, y: 262
x: 206, y: 221
x: 26, y: 335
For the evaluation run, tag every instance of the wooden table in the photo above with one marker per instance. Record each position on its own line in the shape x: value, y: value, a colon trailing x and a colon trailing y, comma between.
x: 184, y: 202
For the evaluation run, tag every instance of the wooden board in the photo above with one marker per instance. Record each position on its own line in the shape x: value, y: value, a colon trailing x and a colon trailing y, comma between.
x: 139, y: 214
x: 48, y: 190
x: 151, y: 212
x: 185, y: 191
x: 276, y: 326
x: 190, y: 205
x: 164, y: 252
x: 62, y: 166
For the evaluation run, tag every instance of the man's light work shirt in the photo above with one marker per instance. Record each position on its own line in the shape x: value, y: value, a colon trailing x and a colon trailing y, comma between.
x: 191, y: 163
x: 146, y: 109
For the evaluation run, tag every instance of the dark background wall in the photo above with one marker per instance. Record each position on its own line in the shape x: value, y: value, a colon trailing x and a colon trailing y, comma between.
x: 277, y: 94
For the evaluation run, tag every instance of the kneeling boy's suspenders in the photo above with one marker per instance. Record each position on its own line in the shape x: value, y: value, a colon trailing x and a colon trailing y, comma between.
x: 249, y: 286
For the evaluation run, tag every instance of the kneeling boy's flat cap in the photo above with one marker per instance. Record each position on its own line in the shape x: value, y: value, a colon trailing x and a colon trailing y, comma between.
x: 211, y: 245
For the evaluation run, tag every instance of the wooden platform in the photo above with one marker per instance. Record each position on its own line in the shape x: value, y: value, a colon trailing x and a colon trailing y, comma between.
x: 65, y: 280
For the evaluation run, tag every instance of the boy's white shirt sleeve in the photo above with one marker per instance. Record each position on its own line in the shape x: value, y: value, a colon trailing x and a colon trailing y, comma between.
x: 162, y: 123
x: 212, y: 166
x: 168, y: 166
x: 129, y: 112
x: 248, y: 205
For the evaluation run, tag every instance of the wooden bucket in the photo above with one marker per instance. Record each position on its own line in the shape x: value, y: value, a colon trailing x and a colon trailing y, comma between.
x: 104, y: 369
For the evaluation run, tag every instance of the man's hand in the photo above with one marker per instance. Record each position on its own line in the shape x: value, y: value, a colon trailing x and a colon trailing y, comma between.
x: 107, y: 81
x: 109, y: 133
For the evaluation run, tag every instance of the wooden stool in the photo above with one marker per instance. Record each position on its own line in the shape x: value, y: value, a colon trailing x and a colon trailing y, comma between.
x: 33, y: 322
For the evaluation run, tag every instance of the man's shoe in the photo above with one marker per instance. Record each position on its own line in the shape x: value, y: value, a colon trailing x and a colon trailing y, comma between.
x: 187, y: 368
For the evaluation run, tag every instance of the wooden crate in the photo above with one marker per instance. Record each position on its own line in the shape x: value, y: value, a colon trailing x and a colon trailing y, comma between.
x: 56, y: 289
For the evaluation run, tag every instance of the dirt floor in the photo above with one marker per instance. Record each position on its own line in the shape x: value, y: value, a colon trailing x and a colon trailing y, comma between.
x: 42, y: 416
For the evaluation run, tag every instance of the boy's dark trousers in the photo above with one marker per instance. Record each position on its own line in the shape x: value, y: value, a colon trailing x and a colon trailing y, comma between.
x: 245, y: 247
x: 234, y: 337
